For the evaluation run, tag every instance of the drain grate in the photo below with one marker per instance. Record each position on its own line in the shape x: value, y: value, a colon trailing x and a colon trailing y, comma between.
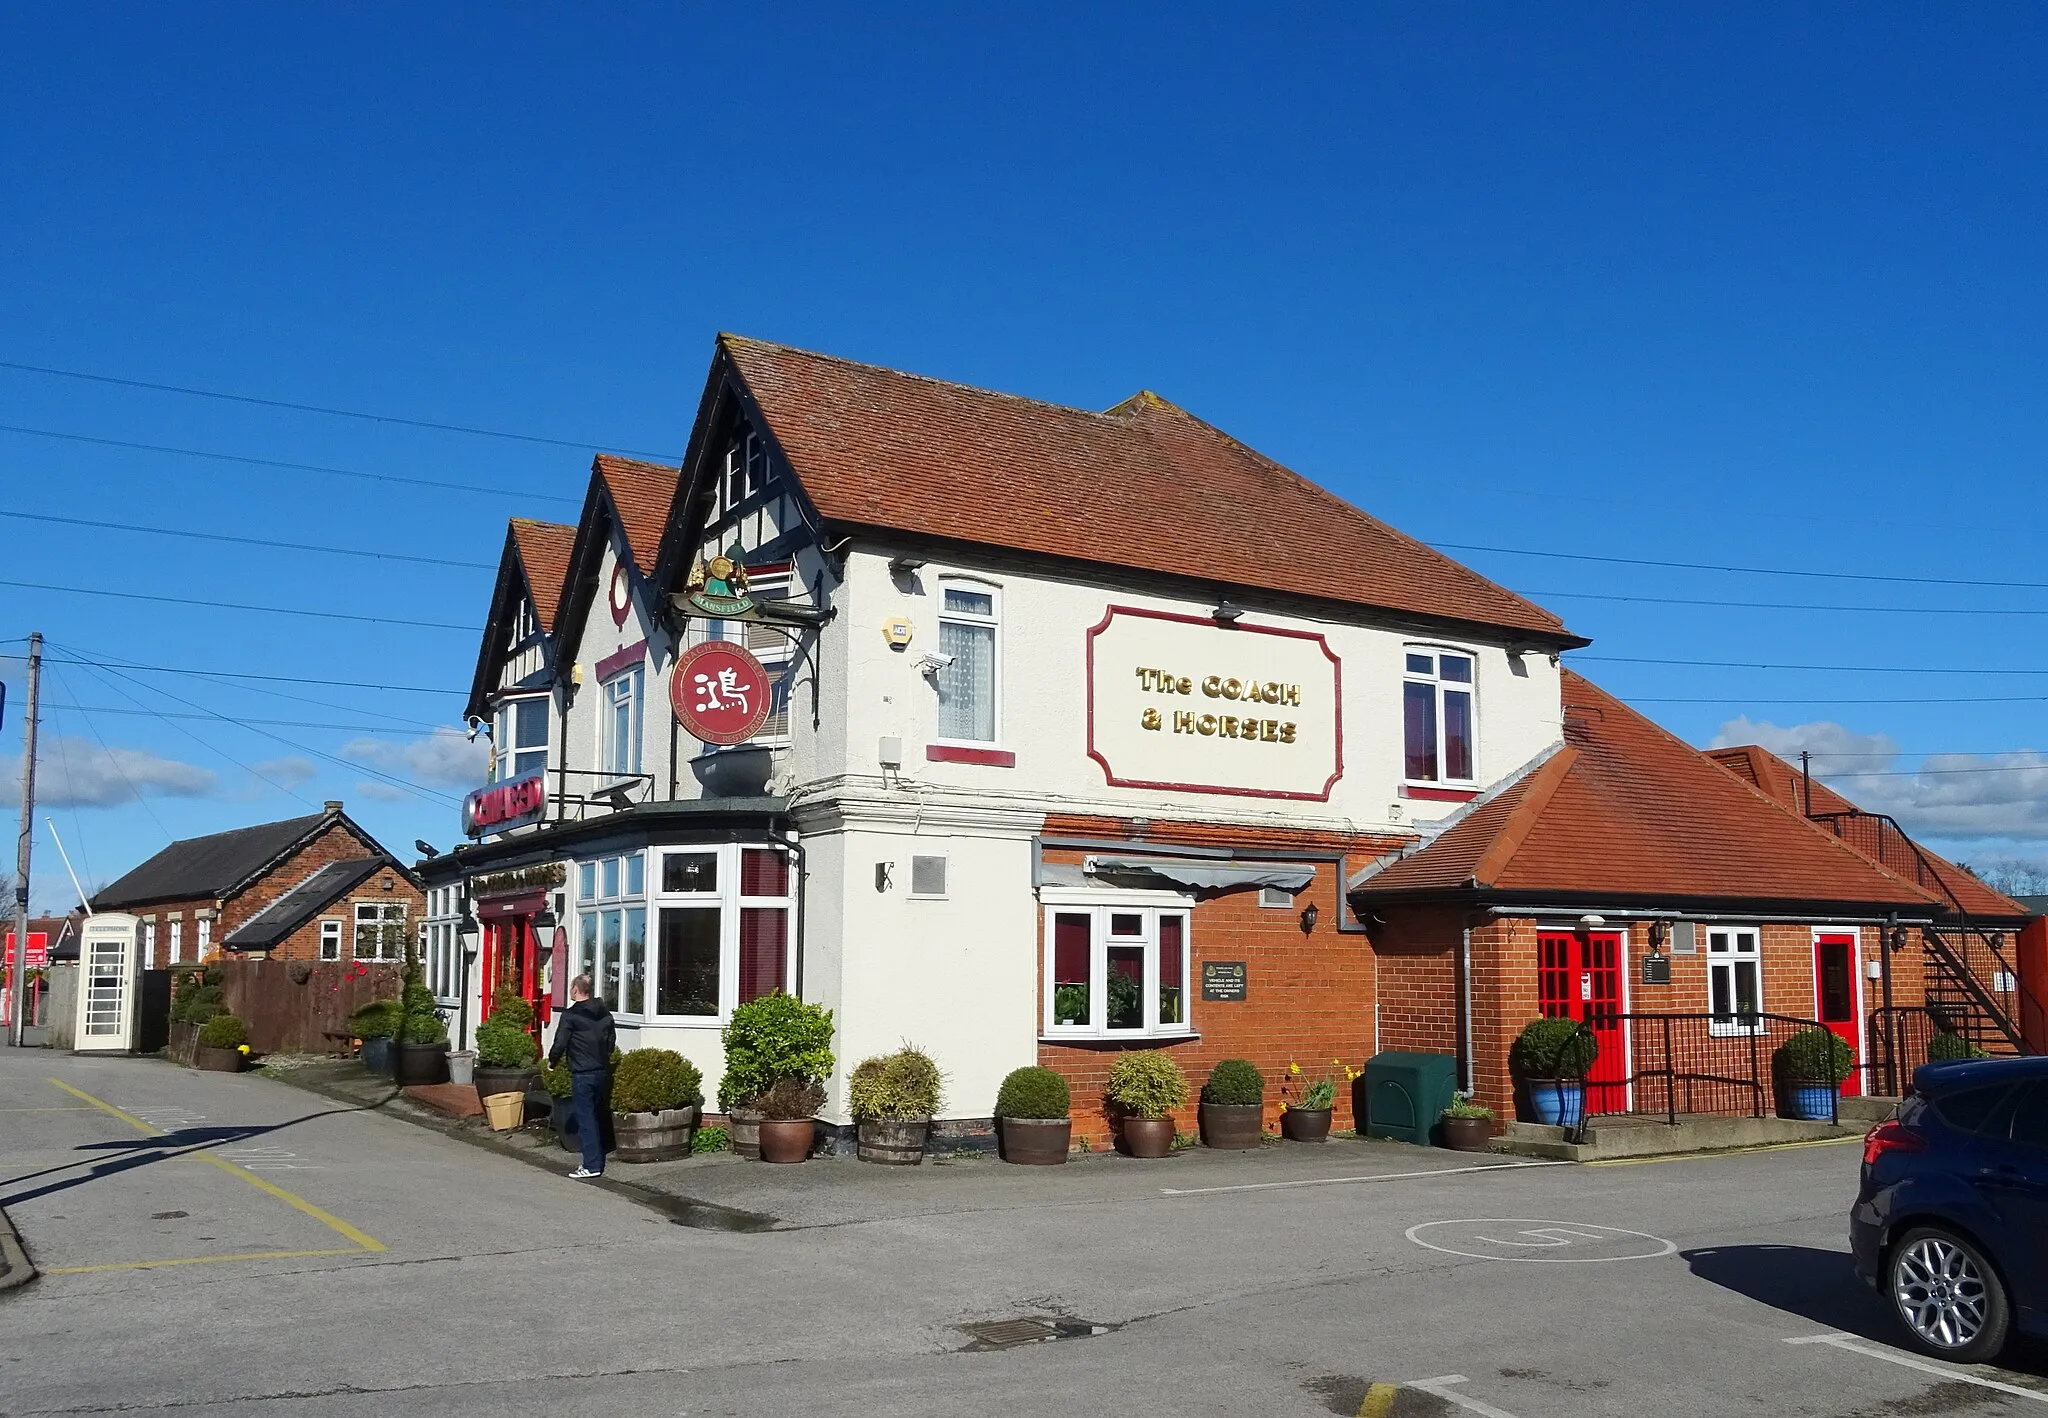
x: 1028, y: 1329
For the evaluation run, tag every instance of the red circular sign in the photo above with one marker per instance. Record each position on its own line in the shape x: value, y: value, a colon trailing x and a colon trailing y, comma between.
x: 720, y: 692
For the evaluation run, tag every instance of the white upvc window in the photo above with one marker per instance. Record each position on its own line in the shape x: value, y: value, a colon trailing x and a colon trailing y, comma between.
x: 1438, y: 715
x: 519, y: 738
x: 177, y: 940
x: 619, y: 751
x: 330, y: 940
x: 970, y: 685
x: 1117, y: 971
x: 149, y: 941
x: 205, y: 943
x: 1735, y: 981
x: 746, y: 468
x: 380, y: 930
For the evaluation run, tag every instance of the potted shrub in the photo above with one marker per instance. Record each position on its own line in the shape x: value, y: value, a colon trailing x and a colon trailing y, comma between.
x: 1033, y: 1128
x: 1550, y: 1058
x: 1145, y: 1086
x: 893, y: 1099
x: 561, y: 1116
x: 655, y: 1097
x: 1948, y: 1045
x: 421, y: 1042
x: 377, y: 1024
x: 1808, y: 1069
x: 1306, y: 1108
x: 197, y: 996
x: 788, y: 1119
x: 769, y: 1039
x: 505, y: 1047
x: 222, y: 1045
x: 1466, y: 1126
x: 1233, y: 1111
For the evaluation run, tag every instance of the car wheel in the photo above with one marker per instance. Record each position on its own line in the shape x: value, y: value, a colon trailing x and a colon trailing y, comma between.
x: 1951, y: 1299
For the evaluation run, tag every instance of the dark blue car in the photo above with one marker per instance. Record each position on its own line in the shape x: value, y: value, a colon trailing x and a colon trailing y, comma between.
x: 1951, y: 1223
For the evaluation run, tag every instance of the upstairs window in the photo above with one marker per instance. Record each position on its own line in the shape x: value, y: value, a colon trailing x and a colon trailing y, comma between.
x: 620, y: 750
x: 524, y: 626
x: 771, y: 646
x: 969, y: 618
x: 519, y: 739
x: 1436, y: 712
x: 746, y: 468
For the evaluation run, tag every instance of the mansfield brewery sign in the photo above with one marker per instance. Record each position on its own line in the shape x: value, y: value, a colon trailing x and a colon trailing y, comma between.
x: 1178, y: 701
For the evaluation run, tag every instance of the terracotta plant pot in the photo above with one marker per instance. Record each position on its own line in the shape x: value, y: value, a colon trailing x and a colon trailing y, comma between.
x: 217, y: 1060
x: 787, y: 1139
x: 1233, y: 1127
x: 1466, y: 1134
x: 744, y: 1125
x: 1148, y: 1137
x: 654, y: 1137
x: 893, y: 1142
x: 1034, y: 1142
x: 1305, y: 1124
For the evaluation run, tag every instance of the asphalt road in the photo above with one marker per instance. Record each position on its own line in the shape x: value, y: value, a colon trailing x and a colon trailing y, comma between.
x: 234, y: 1245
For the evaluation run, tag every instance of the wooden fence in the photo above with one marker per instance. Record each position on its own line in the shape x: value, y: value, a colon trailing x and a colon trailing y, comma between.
x: 296, y: 1007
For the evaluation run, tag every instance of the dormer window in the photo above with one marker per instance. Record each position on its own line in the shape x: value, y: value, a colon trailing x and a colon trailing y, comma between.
x: 524, y: 624
x: 746, y: 468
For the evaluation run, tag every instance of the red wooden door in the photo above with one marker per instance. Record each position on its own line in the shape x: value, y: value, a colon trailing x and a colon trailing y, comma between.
x: 1834, y: 995
x: 1580, y: 978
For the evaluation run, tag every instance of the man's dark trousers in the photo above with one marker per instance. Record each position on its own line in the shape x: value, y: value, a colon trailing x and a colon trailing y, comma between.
x: 586, y: 1096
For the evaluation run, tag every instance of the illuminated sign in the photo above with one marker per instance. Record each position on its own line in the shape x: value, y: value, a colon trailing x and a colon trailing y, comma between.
x: 1180, y: 702
x: 503, y: 806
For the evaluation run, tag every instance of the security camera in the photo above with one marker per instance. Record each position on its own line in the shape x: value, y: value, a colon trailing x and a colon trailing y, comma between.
x: 933, y: 661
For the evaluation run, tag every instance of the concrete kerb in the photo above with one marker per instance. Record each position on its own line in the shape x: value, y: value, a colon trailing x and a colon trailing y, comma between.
x: 16, y: 1269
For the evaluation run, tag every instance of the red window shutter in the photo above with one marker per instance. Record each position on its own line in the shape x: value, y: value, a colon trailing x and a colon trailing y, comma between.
x: 764, y: 951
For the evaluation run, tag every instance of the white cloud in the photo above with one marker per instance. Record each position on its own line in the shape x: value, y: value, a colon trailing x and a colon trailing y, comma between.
x: 445, y: 758
x: 287, y: 772
x: 381, y: 792
x: 1949, y: 795
x: 73, y: 772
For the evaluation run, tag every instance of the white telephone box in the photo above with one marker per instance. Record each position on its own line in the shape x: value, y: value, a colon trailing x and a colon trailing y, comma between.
x: 109, y: 974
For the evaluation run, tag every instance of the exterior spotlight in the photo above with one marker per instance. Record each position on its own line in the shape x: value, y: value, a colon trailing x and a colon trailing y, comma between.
x: 426, y: 848
x: 1591, y: 922
x: 1226, y: 613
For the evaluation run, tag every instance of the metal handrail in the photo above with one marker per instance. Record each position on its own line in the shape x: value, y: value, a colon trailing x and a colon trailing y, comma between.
x: 1751, y: 1027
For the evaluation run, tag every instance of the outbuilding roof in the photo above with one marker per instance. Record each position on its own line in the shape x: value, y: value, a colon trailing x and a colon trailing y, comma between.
x: 213, y: 865
x: 1625, y: 809
x: 1145, y: 485
x: 303, y: 902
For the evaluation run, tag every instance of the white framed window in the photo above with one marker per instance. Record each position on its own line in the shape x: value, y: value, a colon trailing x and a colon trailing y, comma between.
x: 524, y: 624
x: 620, y: 714
x: 1117, y: 971
x: 330, y: 940
x: 1735, y: 981
x: 380, y: 930
x: 746, y: 468
x: 1439, y: 733
x: 519, y: 738
x: 205, y: 933
x: 149, y: 940
x: 1275, y: 898
x: 177, y: 940
x: 970, y: 686
x: 771, y: 646
x: 611, y: 930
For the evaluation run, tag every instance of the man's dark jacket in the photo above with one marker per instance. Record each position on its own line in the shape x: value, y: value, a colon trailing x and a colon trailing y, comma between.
x: 584, y: 1035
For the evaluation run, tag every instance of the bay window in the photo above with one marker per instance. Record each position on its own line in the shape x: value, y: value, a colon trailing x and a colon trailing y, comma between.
x: 1734, y: 982
x: 619, y: 753
x: 519, y: 738
x: 611, y: 930
x: 1116, y: 971
x: 1436, y: 715
x: 969, y: 616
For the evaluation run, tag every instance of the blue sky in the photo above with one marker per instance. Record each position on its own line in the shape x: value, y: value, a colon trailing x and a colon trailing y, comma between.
x: 1741, y: 285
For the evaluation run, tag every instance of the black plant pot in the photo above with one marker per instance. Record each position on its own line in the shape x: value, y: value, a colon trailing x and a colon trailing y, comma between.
x: 380, y: 1056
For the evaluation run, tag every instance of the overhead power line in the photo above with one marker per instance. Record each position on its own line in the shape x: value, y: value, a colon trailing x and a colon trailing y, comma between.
x: 1781, y: 605
x: 1578, y: 658
x: 1743, y: 570
x: 1745, y: 699
x: 385, y: 729
x: 586, y: 445
x: 237, y: 606
x: 248, y: 541
x: 110, y: 663
x: 1937, y: 772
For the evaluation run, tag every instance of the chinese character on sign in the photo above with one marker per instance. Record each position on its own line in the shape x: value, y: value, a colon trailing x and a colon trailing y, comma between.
x: 725, y: 682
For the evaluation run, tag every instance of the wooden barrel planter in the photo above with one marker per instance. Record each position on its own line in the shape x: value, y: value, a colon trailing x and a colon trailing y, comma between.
x: 745, y: 1127
x: 893, y: 1142
x: 1034, y: 1142
x: 1233, y: 1127
x: 654, y: 1137
x: 217, y: 1060
x: 421, y: 1063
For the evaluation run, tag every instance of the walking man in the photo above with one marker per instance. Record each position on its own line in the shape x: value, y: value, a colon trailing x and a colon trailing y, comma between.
x: 584, y: 1037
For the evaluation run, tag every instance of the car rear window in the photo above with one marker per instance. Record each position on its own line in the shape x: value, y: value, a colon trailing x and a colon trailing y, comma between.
x: 2030, y: 1116
x: 1969, y: 1109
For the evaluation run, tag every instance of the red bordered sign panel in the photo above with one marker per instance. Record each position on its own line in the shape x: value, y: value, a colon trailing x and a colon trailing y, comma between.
x: 720, y: 693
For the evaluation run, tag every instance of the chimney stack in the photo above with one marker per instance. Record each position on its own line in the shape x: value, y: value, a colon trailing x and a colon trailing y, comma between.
x: 333, y: 805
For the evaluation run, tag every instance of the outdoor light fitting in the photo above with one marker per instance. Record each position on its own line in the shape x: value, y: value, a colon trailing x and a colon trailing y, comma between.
x: 1308, y: 918
x: 1592, y: 922
x: 905, y: 565
x: 426, y: 850
x: 1226, y: 613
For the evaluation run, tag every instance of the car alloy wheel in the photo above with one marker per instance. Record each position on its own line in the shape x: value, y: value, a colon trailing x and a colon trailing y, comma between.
x: 1948, y: 1295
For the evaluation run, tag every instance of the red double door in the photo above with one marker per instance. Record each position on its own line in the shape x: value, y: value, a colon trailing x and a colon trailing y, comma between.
x: 1579, y: 976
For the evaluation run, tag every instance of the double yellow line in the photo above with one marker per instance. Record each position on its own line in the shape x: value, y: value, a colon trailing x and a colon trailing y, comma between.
x: 361, y: 1242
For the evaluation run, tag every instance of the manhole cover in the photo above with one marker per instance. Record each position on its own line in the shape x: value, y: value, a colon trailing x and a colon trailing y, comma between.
x: 1028, y: 1329
x: 167, y: 1215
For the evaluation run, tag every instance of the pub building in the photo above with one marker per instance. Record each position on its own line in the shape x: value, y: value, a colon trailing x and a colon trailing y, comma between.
x: 1029, y: 734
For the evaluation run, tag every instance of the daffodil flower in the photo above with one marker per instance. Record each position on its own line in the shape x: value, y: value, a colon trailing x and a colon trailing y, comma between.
x: 1294, y: 1068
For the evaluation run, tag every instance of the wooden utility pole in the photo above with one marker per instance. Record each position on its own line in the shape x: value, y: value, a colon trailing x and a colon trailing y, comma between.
x: 17, y: 981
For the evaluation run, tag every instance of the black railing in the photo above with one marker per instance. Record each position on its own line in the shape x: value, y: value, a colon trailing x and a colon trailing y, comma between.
x: 1899, y: 1040
x: 1699, y: 1064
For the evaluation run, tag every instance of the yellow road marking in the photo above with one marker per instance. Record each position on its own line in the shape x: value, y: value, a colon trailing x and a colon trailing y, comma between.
x: 1379, y: 1401
x: 198, y: 1260
x: 326, y: 1218
x: 1732, y: 1152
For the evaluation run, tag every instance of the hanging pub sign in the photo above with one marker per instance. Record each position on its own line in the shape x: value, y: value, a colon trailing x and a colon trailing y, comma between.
x: 718, y: 586
x: 503, y: 806
x: 720, y: 692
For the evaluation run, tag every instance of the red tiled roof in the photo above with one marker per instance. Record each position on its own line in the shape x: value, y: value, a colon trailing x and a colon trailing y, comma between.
x: 1772, y: 775
x: 544, y: 553
x: 643, y: 494
x: 1627, y: 809
x: 1145, y: 485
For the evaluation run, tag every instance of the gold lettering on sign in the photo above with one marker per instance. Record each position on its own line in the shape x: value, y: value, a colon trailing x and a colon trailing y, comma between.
x: 1154, y: 680
x: 1151, y: 719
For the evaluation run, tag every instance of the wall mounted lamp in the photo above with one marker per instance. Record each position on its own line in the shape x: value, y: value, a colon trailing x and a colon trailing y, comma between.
x: 1308, y: 918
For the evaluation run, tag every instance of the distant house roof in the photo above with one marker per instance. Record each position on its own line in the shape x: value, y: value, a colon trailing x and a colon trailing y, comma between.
x: 303, y: 902
x: 1772, y: 775
x: 1624, y: 809
x: 220, y: 864
x: 544, y: 552
x: 1145, y: 485
x: 2036, y: 905
x: 61, y: 933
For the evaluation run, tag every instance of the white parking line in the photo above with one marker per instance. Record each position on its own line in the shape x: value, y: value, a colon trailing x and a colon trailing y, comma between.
x: 1382, y: 1177
x: 1441, y: 1387
x: 1925, y: 1366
